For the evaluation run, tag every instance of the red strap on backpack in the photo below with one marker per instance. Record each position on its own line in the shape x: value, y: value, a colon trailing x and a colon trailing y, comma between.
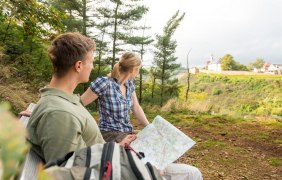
x: 107, y: 174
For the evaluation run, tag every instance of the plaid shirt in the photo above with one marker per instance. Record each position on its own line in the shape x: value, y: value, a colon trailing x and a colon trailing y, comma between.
x: 114, y: 108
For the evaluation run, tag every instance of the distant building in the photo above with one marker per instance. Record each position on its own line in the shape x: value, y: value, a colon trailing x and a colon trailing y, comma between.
x: 265, y: 67
x: 271, y: 68
x: 213, y: 65
x: 194, y: 70
x: 275, y: 68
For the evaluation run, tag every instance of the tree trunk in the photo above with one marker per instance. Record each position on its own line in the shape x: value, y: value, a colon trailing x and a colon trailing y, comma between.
x: 115, y: 36
x: 188, y: 76
x: 100, y: 54
x: 84, y: 18
x: 84, y: 32
x: 153, y: 87
x: 30, y: 45
x: 140, y: 72
x: 5, y: 35
x: 162, y: 84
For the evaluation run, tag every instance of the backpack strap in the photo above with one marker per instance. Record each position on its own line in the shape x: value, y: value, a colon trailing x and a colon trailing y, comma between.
x: 87, y: 174
x: 134, y: 167
x: 106, y: 161
x: 88, y: 157
x: 151, y: 169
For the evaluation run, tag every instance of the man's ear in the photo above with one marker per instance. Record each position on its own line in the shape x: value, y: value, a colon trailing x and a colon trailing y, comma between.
x: 78, y: 66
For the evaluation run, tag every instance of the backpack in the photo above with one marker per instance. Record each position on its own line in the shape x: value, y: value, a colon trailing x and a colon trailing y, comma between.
x: 109, y: 161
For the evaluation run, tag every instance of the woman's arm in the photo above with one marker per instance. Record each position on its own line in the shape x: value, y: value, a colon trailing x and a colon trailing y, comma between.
x: 88, y: 97
x: 138, y: 111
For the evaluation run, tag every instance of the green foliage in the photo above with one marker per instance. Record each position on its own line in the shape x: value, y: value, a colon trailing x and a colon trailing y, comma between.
x: 248, y: 108
x: 33, y: 16
x: 120, y: 17
x: 257, y: 64
x: 237, y: 94
x: 228, y: 64
x: 164, y: 55
x: 73, y: 9
x: 12, y: 143
x: 23, y: 30
x: 274, y: 161
x: 216, y: 91
x: 210, y: 143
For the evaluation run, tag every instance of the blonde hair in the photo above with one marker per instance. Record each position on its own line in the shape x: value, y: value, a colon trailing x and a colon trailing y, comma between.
x: 126, y: 62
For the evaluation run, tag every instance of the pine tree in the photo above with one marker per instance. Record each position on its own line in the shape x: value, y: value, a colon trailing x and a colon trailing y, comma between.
x: 164, y: 55
x: 140, y: 43
x: 122, y: 15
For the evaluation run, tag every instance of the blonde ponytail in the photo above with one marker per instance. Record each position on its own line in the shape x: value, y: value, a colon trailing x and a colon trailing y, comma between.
x: 126, y: 62
x: 115, y: 71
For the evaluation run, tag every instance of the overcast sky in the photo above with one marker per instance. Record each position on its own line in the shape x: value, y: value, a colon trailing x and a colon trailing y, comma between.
x: 246, y: 29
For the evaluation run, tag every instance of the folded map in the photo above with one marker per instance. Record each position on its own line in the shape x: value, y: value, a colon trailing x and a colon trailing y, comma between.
x: 162, y: 143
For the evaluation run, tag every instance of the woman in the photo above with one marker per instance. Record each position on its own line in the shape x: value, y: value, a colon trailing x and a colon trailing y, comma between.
x: 117, y: 97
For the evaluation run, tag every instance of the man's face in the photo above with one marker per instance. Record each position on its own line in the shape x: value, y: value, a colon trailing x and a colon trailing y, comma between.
x: 87, y: 66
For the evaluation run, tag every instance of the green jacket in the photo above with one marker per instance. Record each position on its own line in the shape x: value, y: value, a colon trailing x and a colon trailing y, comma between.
x: 60, y: 124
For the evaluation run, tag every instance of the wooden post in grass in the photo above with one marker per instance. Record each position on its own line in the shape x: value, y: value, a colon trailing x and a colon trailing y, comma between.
x: 188, y: 76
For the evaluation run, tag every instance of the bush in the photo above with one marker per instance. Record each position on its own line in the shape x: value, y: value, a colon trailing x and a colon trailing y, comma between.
x: 247, y: 108
x: 216, y: 91
x: 276, y: 111
x: 12, y: 143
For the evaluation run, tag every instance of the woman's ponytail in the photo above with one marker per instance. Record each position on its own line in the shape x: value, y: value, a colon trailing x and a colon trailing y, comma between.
x: 126, y: 62
x: 115, y: 72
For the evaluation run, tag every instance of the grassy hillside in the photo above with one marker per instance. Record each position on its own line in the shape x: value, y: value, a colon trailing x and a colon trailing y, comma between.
x: 15, y: 91
x: 236, y: 95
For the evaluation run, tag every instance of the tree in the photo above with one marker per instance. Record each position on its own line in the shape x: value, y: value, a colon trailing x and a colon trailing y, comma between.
x: 37, y: 20
x: 153, y: 75
x: 173, y: 88
x: 164, y: 55
x: 121, y: 14
x: 227, y: 63
x: 140, y: 42
x: 25, y: 28
x: 257, y: 64
x: 73, y: 10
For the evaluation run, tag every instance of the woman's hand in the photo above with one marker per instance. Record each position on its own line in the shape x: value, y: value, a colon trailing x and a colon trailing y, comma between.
x: 25, y: 113
x: 128, y: 139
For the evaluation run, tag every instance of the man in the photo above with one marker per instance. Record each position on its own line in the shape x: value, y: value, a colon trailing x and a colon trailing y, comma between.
x: 60, y: 123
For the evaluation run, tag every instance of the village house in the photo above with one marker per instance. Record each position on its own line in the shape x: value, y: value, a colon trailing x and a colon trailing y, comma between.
x: 271, y: 68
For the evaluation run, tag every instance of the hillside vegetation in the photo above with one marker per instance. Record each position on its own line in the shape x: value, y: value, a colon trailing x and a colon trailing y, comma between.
x: 235, y: 95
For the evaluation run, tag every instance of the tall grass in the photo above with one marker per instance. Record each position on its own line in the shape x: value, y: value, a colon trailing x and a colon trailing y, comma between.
x: 238, y: 95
